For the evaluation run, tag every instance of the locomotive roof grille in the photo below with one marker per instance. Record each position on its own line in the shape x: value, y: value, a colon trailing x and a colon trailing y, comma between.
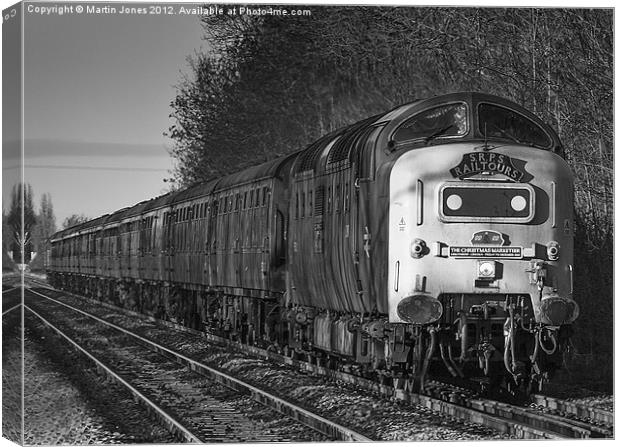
x: 341, y: 149
x: 309, y: 157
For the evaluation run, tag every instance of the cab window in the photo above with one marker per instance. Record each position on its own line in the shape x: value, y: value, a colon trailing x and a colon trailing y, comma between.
x: 498, y: 122
x: 448, y: 120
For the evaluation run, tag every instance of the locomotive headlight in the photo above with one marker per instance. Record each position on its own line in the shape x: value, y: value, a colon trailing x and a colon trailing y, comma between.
x: 486, y: 269
x: 419, y: 309
x: 555, y: 310
x: 454, y: 202
x: 518, y: 203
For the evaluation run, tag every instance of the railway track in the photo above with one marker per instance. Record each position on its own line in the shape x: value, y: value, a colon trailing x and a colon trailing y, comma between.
x: 11, y: 299
x: 515, y: 421
x: 597, y: 416
x: 182, y: 405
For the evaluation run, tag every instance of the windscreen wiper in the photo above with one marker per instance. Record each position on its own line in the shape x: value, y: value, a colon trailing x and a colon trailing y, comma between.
x: 438, y: 133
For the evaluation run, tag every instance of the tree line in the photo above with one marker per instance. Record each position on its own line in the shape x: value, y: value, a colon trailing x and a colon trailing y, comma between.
x: 269, y: 86
x: 25, y: 228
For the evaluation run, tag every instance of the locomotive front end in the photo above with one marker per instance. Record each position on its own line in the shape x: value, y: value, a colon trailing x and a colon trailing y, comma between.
x: 481, y: 241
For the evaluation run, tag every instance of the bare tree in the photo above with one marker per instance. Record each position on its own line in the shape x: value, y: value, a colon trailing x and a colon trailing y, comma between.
x: 21, y: 221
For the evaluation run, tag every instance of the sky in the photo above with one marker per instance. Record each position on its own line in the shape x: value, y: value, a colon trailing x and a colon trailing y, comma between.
x: 97, y: 93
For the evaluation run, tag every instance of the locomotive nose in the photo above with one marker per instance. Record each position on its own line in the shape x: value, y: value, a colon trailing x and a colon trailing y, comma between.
x: 419, y: 309
x: 555, y: 310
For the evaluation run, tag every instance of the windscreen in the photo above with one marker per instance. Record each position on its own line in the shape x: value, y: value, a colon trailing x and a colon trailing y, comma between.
x: 499, y: 122
x: 443, y: 121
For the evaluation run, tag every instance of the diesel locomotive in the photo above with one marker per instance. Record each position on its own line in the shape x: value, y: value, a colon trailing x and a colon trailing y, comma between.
x: 435, y: 239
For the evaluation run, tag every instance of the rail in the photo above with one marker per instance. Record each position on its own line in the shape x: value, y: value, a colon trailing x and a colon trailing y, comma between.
x: 594, y: 414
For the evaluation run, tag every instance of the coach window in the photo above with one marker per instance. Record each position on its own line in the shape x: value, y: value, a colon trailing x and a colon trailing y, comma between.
x: 265, y: 190
x: 251, y: 204
x: 346, y: 198
x: 310, y: 208
x: 296, y: 205
x: 448, y: 120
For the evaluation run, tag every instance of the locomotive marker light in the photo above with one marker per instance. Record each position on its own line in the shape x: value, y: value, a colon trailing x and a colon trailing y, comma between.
x: 454, y: 202
x: 553, y: 251
x: 518, y: 203
x: 418, y: 248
